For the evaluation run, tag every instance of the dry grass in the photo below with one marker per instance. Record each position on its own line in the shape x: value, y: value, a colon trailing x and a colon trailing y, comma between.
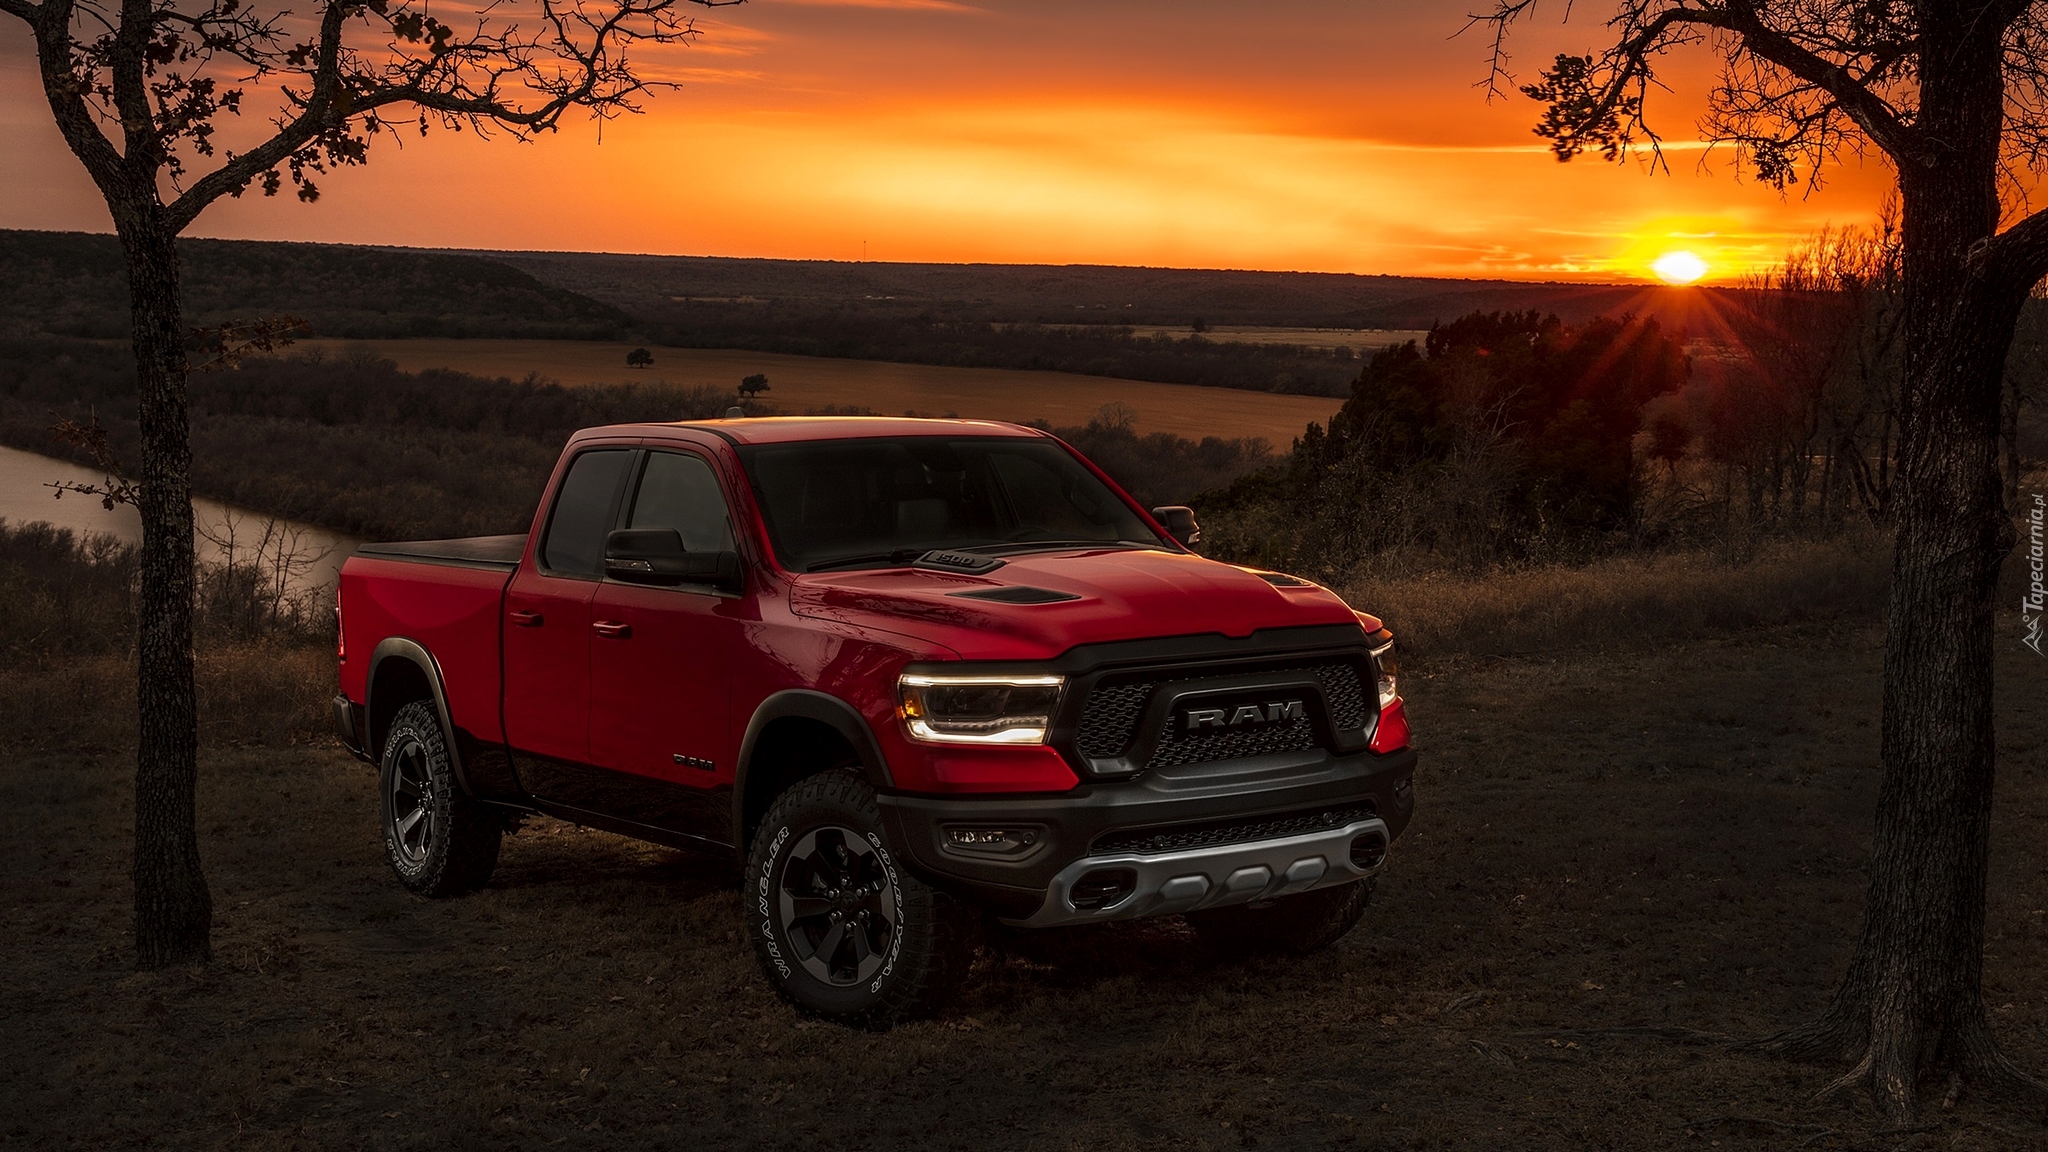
x: 1618, y: 858
x: 265, y: 694
x: 811, y: 383
x: 1660, y: 839
x: 1623, y: 600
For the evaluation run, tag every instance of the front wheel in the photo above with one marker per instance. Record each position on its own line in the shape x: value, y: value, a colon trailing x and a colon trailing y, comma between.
x: 1299, y: 924
x: 842, y: 931
x: 439, y: 842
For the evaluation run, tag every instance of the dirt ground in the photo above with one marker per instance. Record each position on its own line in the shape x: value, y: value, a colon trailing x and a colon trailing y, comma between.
x: 1617, y: 860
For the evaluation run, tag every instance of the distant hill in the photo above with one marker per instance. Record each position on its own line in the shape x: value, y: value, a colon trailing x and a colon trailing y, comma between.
x: 74, y: 284
x: 1072, y: 318
x: 1061, y: 294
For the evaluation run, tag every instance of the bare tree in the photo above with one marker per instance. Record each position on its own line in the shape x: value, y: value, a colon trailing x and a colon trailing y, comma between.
x: 1955, y: 97
x: 139, y: 89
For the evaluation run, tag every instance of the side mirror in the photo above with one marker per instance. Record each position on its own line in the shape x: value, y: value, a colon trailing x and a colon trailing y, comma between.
x: 657, y: 556
x: 1179, y: 522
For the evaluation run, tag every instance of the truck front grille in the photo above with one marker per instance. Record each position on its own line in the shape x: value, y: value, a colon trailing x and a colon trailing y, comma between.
x: 1110, y: 720
x: 1213, y: 833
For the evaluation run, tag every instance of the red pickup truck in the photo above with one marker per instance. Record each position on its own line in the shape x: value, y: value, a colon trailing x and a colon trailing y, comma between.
x: 909, y: 673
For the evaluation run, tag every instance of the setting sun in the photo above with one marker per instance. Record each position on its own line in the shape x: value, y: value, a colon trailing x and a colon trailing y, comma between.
x: 1679, y: 267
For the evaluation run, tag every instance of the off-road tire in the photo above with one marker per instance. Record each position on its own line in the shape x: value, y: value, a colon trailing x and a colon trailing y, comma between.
x: 1293, y: 925
x: 458, y: 846
x: 820, y: 862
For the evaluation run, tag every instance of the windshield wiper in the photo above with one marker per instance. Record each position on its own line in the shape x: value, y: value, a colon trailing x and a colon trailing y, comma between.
x: 894, y: 557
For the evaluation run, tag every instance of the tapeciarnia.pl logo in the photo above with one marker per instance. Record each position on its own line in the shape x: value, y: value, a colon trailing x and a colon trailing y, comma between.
x: 2031, y: 604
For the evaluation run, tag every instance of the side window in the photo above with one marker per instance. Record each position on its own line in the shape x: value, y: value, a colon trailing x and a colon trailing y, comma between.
x: 679, y: 491
x: 583, y: 513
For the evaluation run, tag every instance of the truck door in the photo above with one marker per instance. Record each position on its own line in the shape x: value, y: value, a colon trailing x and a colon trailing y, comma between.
x: 547, y: 623
x: 661, y: 663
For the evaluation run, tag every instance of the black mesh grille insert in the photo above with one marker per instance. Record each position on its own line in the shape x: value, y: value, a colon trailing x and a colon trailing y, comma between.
x: 1208, y: 834
x: 1177, y: 747
x: 1346, y: 698
x: 1111, y: 719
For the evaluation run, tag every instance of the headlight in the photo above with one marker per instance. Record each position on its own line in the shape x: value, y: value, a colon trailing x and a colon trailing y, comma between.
x: 1383, y: 658
x: 979, y: 709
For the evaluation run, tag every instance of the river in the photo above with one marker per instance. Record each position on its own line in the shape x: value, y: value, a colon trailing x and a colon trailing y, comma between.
x: 312, y: 556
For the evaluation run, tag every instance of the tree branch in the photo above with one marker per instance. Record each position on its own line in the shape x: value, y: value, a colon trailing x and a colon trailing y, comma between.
x: 65, y: 89
x: 26, y: 12
x: 1871, y: 112
x: 1612, y: 108
x: 317, y: 115
x: 2017, y: 257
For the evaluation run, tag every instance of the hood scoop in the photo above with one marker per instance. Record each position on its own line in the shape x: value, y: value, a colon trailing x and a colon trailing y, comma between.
x: 1016, y: 594
x: 973, y: 563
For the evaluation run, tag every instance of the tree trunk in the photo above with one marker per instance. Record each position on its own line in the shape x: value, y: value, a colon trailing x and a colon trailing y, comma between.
x: 173, y: 910
x: 1911, y: 1002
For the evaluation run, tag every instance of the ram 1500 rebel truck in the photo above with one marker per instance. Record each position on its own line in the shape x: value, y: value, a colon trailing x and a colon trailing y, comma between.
x: 909, y: 674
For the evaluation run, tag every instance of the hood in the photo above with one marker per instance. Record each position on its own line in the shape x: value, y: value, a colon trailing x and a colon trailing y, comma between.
x: 1083, y: 597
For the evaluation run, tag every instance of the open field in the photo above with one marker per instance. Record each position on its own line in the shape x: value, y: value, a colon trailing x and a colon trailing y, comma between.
x: 1356, y: 339
x: 802, y: 383
x: 1620, y: 859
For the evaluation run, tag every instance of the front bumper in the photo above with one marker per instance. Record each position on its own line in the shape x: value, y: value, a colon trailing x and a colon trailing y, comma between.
x: 1173, y: 882
x: 1194, y: 863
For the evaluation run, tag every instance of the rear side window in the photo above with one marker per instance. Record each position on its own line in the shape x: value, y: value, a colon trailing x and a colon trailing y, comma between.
x: 679, y: 491
x: 584, y: 511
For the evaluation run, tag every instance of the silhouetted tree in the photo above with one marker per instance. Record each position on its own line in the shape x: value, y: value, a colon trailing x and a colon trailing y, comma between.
x: 639, y: 358
x: 139, y: 90
x: 1956, y: 97
x: 754, y: 385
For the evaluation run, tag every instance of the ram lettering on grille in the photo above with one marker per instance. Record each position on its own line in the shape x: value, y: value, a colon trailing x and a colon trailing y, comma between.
x: 1246, y: 714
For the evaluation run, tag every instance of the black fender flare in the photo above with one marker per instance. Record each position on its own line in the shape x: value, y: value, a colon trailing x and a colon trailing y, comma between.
x: 806, y: 704
x: 414, y: 653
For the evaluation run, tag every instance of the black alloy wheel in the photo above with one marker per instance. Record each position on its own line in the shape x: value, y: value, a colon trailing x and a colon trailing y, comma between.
x: 838, y: 904
x: 409, y: 803
x: 841, y: 929
x: 439, y: 842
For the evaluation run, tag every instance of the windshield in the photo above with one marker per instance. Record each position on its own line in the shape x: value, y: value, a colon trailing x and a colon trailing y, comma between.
x: 886, y: 501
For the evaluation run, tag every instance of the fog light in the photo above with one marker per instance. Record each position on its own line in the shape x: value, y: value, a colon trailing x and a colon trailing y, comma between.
x: 1010, y: 840
x: 1368, y: 851
x: 1102, y: 888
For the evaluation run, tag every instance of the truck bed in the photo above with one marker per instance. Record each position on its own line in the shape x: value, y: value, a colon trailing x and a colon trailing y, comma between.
x: 479, y: 551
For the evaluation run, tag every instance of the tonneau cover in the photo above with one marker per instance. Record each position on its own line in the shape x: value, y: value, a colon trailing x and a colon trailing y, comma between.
x: 483, y: 551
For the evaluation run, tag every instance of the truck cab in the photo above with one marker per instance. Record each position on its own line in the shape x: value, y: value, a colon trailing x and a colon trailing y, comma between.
x: 910, y: 675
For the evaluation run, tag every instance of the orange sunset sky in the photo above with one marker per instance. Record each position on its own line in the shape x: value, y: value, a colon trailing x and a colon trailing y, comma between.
x: 1287, y: 134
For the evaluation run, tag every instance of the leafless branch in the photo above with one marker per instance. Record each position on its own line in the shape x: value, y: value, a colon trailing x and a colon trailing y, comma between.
x: 116, y: 488
x: 227, y: 345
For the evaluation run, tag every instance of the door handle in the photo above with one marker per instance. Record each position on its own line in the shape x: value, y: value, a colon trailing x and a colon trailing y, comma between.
x: 524, y: 619
x: 613, y: 629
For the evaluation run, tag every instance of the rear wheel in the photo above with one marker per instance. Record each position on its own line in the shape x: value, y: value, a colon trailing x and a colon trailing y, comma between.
x: 1299, y: 924
x: 439, y: 842
x: 841, y: 930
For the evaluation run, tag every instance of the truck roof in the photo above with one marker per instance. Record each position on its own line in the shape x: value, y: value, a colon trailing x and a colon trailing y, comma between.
x: 794, y: 429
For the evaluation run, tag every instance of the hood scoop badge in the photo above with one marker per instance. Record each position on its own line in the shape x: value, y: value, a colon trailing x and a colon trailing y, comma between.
x: 973, y: 563
x: 1016, y: 594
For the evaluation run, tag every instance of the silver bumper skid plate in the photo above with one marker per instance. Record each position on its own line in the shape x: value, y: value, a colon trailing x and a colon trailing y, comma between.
x: 1169, y: 883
